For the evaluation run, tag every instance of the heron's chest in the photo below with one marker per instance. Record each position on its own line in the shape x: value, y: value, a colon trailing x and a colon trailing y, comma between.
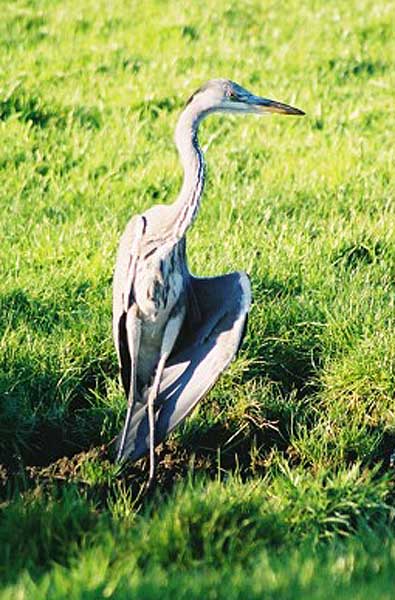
x: 158, y: 285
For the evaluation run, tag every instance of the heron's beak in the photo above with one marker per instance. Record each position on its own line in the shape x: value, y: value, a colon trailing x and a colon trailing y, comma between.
x: 264, y: 105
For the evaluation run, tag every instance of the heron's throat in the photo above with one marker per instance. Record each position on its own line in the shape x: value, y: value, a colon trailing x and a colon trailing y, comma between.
x: 187, y: 205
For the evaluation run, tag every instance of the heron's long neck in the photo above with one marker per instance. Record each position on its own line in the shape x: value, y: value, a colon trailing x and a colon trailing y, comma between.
x: 187, y: 205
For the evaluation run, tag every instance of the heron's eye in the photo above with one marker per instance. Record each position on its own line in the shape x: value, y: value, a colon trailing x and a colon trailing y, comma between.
x: 232, y: 96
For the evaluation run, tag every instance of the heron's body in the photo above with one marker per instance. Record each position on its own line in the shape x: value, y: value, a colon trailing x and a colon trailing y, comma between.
x: 154, y: 293
x: 158, y: 285
x: 160, y: 290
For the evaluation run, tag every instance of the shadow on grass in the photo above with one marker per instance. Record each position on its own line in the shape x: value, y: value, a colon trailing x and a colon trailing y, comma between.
x: 36, y: 427
x: 41, y: 429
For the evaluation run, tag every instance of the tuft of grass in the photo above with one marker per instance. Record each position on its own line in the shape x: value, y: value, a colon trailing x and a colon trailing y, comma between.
x: 42, y: 528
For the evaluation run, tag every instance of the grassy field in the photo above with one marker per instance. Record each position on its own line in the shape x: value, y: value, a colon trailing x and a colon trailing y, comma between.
x: 281, y: 484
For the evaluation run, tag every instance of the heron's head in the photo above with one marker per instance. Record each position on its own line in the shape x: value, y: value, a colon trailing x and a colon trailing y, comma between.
x: 223, y: 95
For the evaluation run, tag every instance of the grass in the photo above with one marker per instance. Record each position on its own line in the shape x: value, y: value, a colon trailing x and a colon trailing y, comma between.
x: 282, y: 480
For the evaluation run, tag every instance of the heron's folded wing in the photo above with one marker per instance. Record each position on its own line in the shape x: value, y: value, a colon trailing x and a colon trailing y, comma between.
x: 124, y: 275
x: 201, y: 355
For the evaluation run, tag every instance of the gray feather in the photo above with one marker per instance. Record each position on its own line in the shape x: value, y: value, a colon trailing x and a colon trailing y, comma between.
x: 199, y: 360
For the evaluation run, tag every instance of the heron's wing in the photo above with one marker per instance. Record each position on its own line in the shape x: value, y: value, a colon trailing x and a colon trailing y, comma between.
x: 123, y: 299
x: 201, y: 355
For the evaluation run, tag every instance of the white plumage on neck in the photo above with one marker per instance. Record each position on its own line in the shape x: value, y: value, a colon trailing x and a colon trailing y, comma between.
x: 191, y: 155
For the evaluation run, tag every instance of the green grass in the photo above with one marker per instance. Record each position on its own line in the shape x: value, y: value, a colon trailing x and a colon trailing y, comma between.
x: 281, y: 484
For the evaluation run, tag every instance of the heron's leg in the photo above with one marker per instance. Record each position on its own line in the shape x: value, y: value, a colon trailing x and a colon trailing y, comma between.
x: 171, y: 331
x: 133, y: 330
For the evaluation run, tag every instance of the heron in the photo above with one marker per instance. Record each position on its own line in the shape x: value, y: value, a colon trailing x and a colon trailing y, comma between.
x: 175, y: 333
